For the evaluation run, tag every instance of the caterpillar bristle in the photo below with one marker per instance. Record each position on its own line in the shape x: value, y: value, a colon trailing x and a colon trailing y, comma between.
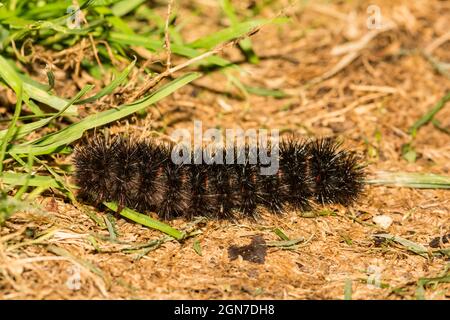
x: 142, y: 176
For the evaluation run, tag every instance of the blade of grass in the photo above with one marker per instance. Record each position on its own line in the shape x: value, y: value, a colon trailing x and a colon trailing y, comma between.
x: 24, y: 187
x: 227, y: 34
x: 9, y: 206
x: 348, y: 289
x: 281, y: 234
x: 49, y: 233
x: 29, y: 117
x: 156, y: 45
x: 120, y: 25
x: 236, y: 82
x: 73, y: 132
x: 423, y: 282
x: 443, y: 279
x: 411, y: 180
x: 197, y: 247
x: 33, y: 107
x: 83, y: 263
x: 10, y: 76
x: 245, y: 44
x: 11, y: 127
x: 409, y: 245
x: 20, y: 179
x: 112, y: 232
x: 27, y: 128
x: 438, y: 126
x: 22, y: 131
x: 430, y: 114
x: 58, y: 24
x: 30, y: 89
x: 285, y: 243
x: 44, y: 97
x: 35, y: 193
x: 62, y: 183
x: 266, y: 92
x: 151, y: 16
x: 122, y: 8
x: 110, y: 87
x: 146, y: 221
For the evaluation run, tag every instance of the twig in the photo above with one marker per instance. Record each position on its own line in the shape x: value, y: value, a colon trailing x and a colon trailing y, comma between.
x: 94, y: 49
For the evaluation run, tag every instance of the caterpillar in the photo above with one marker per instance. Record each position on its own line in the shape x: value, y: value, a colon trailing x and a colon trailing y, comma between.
x: 142, y: 176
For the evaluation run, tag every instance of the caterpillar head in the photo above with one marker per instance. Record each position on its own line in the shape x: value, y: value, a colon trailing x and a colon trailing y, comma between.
x: 337, y: 175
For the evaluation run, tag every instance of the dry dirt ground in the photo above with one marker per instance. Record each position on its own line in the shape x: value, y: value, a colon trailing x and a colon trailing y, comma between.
x: 365, y: 86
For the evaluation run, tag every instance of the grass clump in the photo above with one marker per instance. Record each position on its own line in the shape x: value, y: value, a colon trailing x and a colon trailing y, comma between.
x: 103, y: 39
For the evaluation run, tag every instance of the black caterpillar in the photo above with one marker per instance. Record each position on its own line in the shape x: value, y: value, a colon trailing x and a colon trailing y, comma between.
x: 141, y: 175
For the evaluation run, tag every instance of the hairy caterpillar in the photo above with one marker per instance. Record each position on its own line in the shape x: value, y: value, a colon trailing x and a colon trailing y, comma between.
x: 142, y: 176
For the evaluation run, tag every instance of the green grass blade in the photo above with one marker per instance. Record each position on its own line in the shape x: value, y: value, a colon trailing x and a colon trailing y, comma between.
x: 228, y: 8
x: 33, y: 107
x: 22, y: 131
x: 44, y: 97
x: 233, y: 32
x: 24, y: 187
x: 11, y: 127
x: 20, y: 179
x: 430, y: 114
x: 156, y: 45
x: 197, y: 248
x: 120, y: 25
x: 72, y: 101
x: 10, y: 76
x: 54, y: 141
x: 438, y: 126
x: 245, y: 44
x: 280, y: 233
x: 146, y: 221
x: 136, y: 40
x: 62, y: 183
x: 29, y: 90
x: 110, y: 87
x: 121, y: 8
x: 25, y: 129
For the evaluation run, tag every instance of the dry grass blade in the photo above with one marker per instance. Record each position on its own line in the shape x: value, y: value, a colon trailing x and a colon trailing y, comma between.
x: 410, y: 179
x: 409, y: 245
x: 96, y: 274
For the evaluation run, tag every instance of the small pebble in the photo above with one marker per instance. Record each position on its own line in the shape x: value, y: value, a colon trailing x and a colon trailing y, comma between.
x: 382, y: 221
